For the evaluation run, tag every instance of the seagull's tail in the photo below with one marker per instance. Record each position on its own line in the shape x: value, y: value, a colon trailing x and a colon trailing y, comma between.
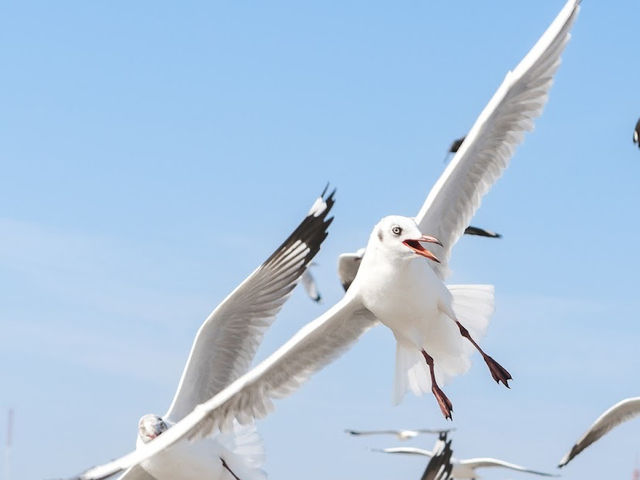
x: 473, y: 306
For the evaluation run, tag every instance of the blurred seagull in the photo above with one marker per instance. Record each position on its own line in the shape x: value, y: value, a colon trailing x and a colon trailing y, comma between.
x: 223, y: 350
x: 636, y: 134
x: 619, y: 413
x: 349, y: 263
x: 454, y: 147
x: 464, y: 469
x: 440, y: 467
x: 310, y: 285
x: 400, y: 434
x: 393, y: 284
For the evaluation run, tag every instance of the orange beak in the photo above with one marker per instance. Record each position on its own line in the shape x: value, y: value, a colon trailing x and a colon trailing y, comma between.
x: 420, y: 250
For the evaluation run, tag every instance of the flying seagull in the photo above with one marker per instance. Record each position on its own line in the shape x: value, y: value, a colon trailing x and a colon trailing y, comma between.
x: 349, y: 263
x: 619, y: 413
x: 310, y: 285
x: 399, y: 434
x: 223, y: 350
x: 440, y: 467
x: 464, y: 469
x: 636, y: 134
x: 454, y: 147
x: 445, y: 214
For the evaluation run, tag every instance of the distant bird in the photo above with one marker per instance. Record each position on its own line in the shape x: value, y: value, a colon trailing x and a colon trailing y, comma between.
x: 399, y: 434
x: 349, y: 263
x: 222, y: 351
x: 440, y: 467
x: 636, y: 134
x: 465, y: 469
x: 454, y: 147
x: 394, y: 285
x: 310, y: 285
x: 619, y: 413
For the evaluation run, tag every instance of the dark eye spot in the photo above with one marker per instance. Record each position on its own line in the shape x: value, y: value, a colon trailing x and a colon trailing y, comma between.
x: 380, y: 236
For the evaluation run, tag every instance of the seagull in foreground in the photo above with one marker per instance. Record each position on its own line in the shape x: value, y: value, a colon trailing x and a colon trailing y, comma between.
x: 394, y: 247
x: 223, y: 350
x: 464, y: 469
x: 349, y: 263
x: 636, y: 134
x: 400, y: 434
x: 619, y: 413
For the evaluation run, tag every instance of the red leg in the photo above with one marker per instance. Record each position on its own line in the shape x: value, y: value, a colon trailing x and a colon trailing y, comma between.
x: 443, y: 401
x: 498, y: 372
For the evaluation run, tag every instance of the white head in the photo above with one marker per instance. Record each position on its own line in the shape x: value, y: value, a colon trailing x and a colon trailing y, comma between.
x: 400, y: 237
x: 150, y: 426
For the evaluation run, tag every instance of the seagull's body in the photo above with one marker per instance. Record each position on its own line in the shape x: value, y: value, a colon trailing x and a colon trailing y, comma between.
x: 636, y: 133
x: 621, y: 412
x: 445, y: 214
x: 465, y: 469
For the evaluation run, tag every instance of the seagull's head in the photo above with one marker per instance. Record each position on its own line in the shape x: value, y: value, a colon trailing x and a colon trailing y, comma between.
x: 400, y: 237
x: 150, y: 426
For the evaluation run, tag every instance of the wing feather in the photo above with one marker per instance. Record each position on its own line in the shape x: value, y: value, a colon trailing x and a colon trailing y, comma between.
x: 228, y: 339
x: 619, y: 413
x: 489, y: 145
x: 474, y: 463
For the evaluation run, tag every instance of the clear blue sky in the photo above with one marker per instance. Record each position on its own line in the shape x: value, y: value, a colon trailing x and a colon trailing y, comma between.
x: 154, y: 153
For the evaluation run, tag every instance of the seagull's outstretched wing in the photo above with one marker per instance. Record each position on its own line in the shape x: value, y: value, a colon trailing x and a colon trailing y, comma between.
x: 474, y: 463
x: 481, y: 232
x: 619, y: 413
x: 373, y: 432
x: 136, y: 473
x: 251, y: 395
x: 228, y: 339
x: 408, y: 451
x: 490, y: 143
x: 440, y: 466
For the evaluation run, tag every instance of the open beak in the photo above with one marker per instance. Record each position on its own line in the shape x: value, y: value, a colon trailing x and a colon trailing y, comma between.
x: 420, y: 250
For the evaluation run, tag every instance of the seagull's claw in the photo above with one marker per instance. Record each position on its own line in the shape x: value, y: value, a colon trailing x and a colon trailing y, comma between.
x: 498, y: 372
x: 443, y: 401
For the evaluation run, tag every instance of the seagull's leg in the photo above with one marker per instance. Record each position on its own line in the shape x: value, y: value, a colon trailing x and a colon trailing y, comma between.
x: 498, y: 372
x: 224, y: 464
x: 443, y: 401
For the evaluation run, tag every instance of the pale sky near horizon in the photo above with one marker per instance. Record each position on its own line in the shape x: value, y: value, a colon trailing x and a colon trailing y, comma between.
x: 154, y: 153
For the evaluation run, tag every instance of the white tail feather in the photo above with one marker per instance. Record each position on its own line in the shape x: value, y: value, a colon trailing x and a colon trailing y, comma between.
x: 248, y: 451
x: 473, y: 306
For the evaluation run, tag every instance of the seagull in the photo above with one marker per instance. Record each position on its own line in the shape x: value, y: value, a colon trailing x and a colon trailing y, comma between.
x: 464, y: 469
x: 223, y: 350
x: 349, y: 263
x: 454, y: 147
x: 621, y: 412
x: 446, y: 212
x: 636, y: 134
x: 310, y: 285
x: 400, y: 434
x: 440, y: 467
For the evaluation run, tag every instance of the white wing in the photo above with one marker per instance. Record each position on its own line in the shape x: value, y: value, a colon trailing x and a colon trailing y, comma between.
x: 409, y: 451
x: 348, y: 265
x: 228, y: 339
x: 619, y: 413
x: 136, y: 473
x: 250, y: 396
x: 490, y: 143
x: 474, y: 463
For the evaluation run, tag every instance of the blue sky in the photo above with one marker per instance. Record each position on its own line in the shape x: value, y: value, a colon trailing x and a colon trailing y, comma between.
x: 154, y: 153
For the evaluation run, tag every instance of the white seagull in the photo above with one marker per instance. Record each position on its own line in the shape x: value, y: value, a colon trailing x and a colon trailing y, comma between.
x: 223, y: 350
x: 440, y: 467
x: 621, y: 412
x: 465, y: 469
x: 394, y: 284
x: 399, y: 434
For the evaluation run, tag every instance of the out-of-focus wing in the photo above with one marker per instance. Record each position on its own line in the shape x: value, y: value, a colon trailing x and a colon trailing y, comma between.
x: 474, y: 463
x: 619, y: 413
x: 489, y: 145
x: 136, y: 473
x: 310, y: 285
x: 408, y: 451
x: 228, y: 339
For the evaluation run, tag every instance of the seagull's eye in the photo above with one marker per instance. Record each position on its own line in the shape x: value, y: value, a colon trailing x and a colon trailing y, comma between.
x: 396, y: 230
